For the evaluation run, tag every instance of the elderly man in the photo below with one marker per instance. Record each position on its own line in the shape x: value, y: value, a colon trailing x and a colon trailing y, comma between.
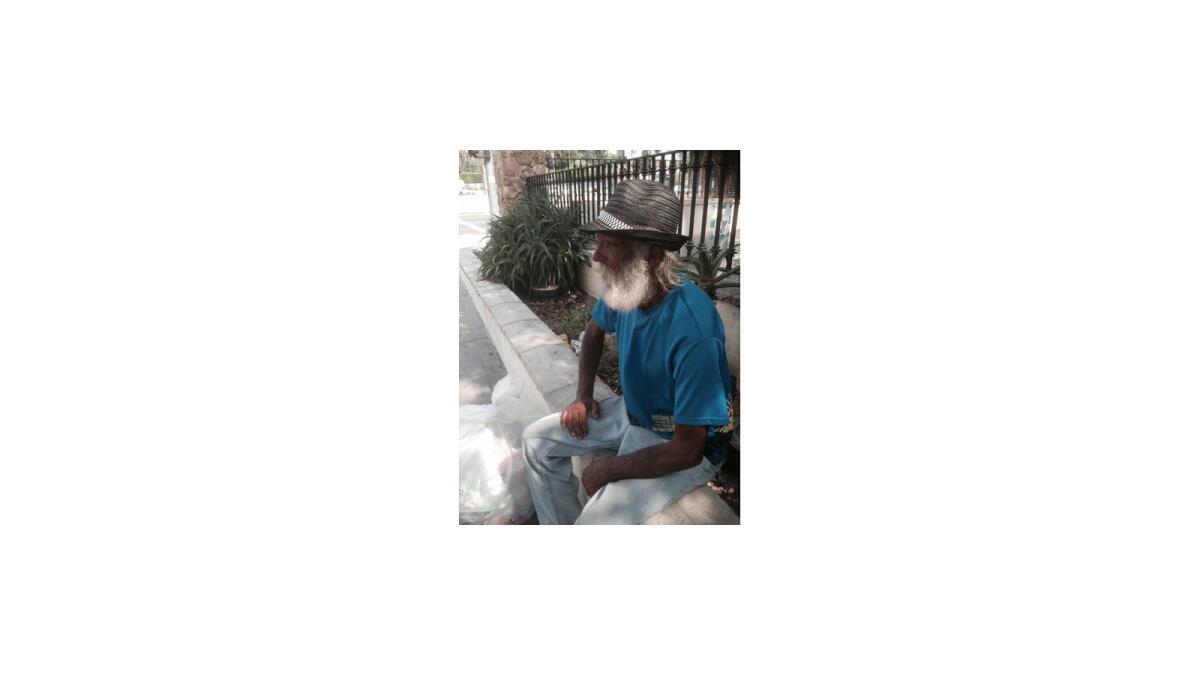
x: 671, y: 426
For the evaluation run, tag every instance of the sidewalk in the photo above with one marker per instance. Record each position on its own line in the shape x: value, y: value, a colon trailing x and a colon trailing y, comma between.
x: 479, y: 366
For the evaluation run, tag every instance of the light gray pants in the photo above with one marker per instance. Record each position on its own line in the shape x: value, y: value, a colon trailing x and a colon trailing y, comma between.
x: 548, y: 449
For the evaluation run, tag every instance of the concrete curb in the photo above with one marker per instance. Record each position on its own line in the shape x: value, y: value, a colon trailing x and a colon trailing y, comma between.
x: 526, y: 345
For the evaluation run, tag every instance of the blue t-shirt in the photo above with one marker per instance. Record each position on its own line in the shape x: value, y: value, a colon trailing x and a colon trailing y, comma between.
x: 673, y: 366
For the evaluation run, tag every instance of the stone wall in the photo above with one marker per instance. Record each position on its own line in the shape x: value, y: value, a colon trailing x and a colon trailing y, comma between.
x: 512, y: 168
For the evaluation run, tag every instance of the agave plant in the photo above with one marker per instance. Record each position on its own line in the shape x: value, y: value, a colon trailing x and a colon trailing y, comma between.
x: 704, y: 268
x: 534, y: 245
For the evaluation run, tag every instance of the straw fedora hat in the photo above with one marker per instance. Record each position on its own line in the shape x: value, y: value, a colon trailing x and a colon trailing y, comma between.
x: 644, y: 210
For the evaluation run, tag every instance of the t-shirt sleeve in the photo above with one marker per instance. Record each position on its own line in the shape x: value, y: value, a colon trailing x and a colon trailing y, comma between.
x: 700, y: 385
x: 603, y: 315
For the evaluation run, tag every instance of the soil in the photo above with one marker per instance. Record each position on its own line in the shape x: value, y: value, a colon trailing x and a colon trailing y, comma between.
x: 727, y: 485
x: 568, y: 314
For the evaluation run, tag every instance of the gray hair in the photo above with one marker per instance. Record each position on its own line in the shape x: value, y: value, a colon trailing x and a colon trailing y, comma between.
x: 667, y: 272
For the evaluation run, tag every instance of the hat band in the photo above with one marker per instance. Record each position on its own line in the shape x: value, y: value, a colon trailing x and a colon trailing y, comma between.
x: 612, y: 221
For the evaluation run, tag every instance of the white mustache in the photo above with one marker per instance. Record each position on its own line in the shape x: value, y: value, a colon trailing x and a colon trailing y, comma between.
x: 628, y: 287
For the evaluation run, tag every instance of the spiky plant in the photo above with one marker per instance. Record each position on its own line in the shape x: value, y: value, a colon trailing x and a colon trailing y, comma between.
x: 535, y: 244
x: 704, y: 268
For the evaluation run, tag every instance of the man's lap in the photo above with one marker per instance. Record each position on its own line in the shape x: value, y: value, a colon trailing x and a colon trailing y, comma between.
x: 627, y: 501
x: 604, y: 433
x: 632, y: 501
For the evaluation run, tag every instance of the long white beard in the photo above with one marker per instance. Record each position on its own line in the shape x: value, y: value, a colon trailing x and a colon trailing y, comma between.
x: 628, y: 287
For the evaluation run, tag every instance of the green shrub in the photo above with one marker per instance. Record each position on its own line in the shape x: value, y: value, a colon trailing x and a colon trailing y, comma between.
x: 704, y: 268
x: 471, y: 177
x: 534, y: 244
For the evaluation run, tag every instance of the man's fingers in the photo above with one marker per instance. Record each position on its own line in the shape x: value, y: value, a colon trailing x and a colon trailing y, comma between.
x: 574, y: 419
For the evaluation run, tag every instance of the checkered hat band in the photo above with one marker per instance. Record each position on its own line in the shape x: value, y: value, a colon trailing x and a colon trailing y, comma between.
x: 613, y: 221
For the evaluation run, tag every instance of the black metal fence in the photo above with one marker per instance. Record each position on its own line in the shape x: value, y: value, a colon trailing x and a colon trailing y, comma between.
x: 560, y: 160
x: 707, y: 181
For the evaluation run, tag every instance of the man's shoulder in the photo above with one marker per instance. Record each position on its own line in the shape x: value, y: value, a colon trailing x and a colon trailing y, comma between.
x: 702, y: 320
x: 695, y: 300
x: 607, y: 315
x: 692, y: 294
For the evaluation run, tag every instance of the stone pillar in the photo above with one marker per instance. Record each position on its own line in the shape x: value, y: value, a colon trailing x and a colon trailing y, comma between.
x: 512, y: 168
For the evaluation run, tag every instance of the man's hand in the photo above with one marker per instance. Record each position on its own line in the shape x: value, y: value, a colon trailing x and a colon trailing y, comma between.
x: 683, y: 451
x: 574, y: 418
x: 595, y: 476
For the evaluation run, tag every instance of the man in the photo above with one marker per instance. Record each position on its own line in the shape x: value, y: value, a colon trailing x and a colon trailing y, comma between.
x: 671, y: 426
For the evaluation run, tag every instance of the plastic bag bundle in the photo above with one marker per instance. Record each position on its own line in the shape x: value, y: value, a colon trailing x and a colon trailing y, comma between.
x: 492, y: 487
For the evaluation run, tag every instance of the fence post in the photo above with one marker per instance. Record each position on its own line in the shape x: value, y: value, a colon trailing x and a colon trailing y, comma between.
x: 720, y: 184
x: 737, y: 199
x: 695, y: 182
x: 707, y: 179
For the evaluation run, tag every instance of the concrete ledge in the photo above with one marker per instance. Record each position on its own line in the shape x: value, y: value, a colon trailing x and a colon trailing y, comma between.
x: 527, y: 347
x: 696, y: 507
x: 527, y: 335
x: 530, y: 350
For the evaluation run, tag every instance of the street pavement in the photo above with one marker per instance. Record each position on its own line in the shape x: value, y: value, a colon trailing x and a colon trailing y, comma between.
x: 479, y: 366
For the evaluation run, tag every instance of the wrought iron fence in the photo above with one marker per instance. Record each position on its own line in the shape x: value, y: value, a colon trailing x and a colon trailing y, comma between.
x: 560, y: 160
x: 707, y: 181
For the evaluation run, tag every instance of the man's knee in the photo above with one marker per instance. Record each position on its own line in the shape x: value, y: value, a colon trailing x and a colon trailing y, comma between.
x: 537, y: 430
x: 613, y: 504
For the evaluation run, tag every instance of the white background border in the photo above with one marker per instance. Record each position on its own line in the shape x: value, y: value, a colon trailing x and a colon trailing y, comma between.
x: 969, y: 346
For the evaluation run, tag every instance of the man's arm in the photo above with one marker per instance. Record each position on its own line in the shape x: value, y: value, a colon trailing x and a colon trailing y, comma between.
x: 590, y: 349
x: 574, y: 418
x: 683, y: 451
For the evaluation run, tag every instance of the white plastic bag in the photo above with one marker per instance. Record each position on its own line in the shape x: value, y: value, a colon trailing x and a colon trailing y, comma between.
x: 492, y: 487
